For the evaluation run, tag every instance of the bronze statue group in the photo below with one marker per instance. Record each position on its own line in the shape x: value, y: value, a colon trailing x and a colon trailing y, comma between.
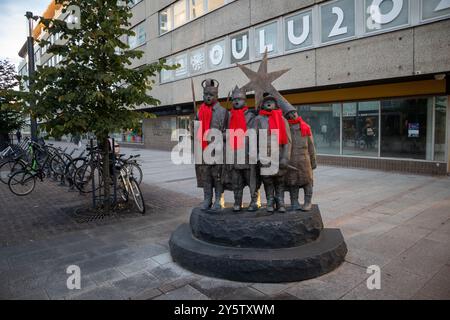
x: 297, y: 158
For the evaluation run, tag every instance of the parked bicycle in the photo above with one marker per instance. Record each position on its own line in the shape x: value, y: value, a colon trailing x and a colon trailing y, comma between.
x: 127, y: 184
x: 23, y: 182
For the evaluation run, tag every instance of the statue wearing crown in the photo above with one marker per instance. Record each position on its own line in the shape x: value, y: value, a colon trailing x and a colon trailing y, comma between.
x: 210, y: 115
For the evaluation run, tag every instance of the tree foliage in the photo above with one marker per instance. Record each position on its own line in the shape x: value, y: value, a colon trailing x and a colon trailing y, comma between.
x: 93, y: 89
x: 11, y: 117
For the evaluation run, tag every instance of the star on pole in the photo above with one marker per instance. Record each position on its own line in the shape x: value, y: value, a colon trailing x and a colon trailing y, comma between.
x: 261, y: 81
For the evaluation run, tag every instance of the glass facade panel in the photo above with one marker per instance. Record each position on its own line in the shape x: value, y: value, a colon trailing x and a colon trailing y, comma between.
x: 266, y: 38
x: 406, y: 128
x: 214, y: 4
x: 129, y: 136
x: 325, y: 122
x: 179, y: 13
x: 360, y: 128
x: 139, y: 38
x: 440, y: 128
x: 165, y: 20
x: 197, y: 8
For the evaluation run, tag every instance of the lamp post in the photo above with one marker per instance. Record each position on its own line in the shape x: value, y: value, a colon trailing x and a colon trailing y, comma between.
x: 31, y: 69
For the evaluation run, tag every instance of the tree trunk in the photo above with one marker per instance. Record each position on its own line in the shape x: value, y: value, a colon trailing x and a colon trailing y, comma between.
x: 106, y: 173
x: 4, y: 140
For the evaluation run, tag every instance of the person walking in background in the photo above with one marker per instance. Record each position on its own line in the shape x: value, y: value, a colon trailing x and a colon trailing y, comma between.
x: 369, y: 134
x: 324, y: 131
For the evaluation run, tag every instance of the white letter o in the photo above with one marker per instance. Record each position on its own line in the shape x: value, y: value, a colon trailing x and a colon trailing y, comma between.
x: 376, y: 15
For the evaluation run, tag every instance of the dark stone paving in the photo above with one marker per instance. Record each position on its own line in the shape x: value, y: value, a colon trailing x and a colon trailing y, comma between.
x: 39, y: 239
x: 399, y: 222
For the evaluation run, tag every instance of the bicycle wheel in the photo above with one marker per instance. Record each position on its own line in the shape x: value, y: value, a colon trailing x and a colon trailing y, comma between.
x: 22, y: 183
x: 136, y: 172
x: 83, y: 178
x: 122, y: 192
x: 8, y: 168
x: 137, y: 195
x: 71, y: 167
x: 57, y: 165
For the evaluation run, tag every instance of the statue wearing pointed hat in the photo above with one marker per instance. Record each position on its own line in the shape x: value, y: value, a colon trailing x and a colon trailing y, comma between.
x: 243, y: 172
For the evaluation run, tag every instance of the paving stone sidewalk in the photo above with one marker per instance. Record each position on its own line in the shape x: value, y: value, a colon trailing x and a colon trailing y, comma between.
x: 398, y: 222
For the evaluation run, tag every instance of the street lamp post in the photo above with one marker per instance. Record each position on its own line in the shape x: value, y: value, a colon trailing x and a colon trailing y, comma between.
x: 31, y: 69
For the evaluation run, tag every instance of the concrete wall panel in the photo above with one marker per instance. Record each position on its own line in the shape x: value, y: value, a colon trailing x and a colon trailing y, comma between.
x: 159, y: 48
x: 157, y: 5
x: 139, y: 13
x: 432, y: 47
x: 385, y: 56
x: 163, y: 93
x: 262, y: 10
x: 189, y: 35
x: 302, y: 73
x: 228, y: 19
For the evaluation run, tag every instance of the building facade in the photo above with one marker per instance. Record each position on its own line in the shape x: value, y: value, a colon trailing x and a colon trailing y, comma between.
x: 370, y: 76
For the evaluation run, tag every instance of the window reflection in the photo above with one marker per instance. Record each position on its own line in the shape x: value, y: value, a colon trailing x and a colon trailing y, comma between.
x: 324, y: 120
x: 360, y: 128
x: 392, y: 128
x: 405, y: 130
x: 214, y: 4
x: 182, y: 11
x: 179, y: 13
x: 440, y: 128
x: 165, y: 20
x: 197, y: 8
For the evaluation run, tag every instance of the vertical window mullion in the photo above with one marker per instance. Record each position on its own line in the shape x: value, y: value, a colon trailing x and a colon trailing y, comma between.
x: 379, y: 129
x: 447, y: 133
x: 433, y: 127
x: 341, y: 146
x: 188, y: 11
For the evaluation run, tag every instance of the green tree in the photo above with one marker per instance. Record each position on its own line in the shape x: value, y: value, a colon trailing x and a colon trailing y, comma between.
x: 93, y: 89
x: 11, y: 118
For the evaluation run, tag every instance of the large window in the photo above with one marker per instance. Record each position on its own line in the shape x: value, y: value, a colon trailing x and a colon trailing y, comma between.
x: 183, y: 11
x: 408, y: 128
x: 360, y: 128
x: 134, y: 135
x: 197, y: 8
x: 139, y: 38
x: 440, y: 138
x: 179, y: 13
x: 325, y: 125
x: 165, y: 20
x: 214, y: 4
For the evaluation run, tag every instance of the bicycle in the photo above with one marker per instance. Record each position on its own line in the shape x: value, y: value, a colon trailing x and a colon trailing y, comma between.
x: 23, y: 182
x: 127, y: 183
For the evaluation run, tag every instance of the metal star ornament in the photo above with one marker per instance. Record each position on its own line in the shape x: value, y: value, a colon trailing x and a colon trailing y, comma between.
x: 261, y: 81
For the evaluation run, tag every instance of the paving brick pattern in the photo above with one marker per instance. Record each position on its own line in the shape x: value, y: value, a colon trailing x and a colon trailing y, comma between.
x: 399, y: 222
